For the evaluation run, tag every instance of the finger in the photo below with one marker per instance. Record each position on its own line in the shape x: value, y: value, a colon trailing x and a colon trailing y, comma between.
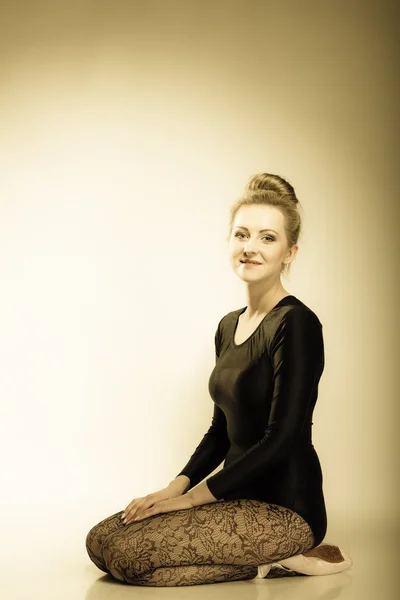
x: 141, y: 516
x: 126, y: 512
x: 139, y: 507
x: 134, y: 509
x: 130, y: 506
x: 155, y: 509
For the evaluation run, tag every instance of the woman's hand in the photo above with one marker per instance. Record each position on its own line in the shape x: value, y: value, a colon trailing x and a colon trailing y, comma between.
x: 163, y: 506
x: 138, y: 505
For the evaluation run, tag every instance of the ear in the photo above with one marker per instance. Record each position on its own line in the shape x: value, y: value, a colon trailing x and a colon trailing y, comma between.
x: 291, y: 254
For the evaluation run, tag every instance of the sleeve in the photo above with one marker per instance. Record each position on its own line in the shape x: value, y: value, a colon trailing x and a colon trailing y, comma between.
x: 297, y: 356
x: 215, y: 444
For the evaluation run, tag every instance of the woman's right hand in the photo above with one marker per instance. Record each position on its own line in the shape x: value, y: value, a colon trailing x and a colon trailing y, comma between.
x: 137, y: 505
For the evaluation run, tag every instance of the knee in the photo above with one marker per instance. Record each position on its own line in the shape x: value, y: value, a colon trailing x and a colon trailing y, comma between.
x: 123, y: 559
x: 91, y: 536
x: 98, y: 532
x: 94, y: 541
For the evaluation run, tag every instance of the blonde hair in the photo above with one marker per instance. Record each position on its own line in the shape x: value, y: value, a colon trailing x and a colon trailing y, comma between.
x: 273, y: 190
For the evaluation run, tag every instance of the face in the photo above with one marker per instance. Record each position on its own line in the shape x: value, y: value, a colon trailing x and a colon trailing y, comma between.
x: 269, y: 247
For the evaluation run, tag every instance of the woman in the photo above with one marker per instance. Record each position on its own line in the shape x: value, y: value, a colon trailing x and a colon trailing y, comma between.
x: 266, y: 504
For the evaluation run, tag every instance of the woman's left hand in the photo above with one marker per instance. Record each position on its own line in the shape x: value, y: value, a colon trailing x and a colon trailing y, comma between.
x: 179, y: 503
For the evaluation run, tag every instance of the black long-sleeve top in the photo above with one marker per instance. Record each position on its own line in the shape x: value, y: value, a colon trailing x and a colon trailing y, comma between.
x: 264, y: 392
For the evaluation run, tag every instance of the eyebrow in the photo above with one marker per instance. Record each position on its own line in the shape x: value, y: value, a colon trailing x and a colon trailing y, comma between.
x: 261, y: 230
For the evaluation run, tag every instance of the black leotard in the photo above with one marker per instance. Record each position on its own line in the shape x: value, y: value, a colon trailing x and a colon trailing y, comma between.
x: 264, y: 392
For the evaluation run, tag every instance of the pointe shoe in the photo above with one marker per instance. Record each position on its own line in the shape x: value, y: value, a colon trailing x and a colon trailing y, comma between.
x: 324, y: 559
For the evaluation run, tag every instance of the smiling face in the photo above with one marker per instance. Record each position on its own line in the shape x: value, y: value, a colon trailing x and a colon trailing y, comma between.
x: 258, y: 233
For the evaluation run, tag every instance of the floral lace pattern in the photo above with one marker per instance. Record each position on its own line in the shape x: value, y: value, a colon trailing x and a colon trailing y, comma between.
x: 216, y: 542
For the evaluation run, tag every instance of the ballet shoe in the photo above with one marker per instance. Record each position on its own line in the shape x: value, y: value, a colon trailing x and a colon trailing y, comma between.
x: 324, y: 559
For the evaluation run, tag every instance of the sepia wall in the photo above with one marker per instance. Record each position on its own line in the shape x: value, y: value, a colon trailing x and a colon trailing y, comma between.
x: 128, y: 129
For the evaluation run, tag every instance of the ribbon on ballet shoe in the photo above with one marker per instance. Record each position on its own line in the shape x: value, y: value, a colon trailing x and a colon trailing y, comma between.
x: 278, y: 570
x: 324, y: 559
x: 263, y: 570
x: 274, y: 570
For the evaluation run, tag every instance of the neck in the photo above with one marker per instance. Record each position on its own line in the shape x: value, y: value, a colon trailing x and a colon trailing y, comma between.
x: 260, y: 304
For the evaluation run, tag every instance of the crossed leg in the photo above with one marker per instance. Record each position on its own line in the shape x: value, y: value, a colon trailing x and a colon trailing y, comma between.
x: 211, y: 543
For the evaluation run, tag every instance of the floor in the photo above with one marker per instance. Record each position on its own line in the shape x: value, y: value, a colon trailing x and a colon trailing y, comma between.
x: 46, y: 572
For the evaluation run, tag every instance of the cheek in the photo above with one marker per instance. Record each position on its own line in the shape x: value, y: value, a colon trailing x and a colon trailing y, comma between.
x: 278, y: 253
x: 274, y: 258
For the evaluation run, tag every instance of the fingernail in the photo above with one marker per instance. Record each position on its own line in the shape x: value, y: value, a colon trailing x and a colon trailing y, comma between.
x: 123, y: 515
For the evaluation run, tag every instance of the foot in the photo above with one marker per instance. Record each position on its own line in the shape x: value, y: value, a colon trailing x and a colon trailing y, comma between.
x: 321, y: 560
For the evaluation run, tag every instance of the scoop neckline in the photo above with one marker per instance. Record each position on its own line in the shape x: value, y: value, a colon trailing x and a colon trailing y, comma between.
x: 260, y: 323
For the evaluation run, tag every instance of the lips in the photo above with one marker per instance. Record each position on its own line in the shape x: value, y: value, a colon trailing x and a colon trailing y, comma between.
x: 252, y: 262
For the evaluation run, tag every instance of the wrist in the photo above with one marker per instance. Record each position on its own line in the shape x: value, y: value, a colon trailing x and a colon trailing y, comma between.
x: 182, y: 482
x: 200, y: 495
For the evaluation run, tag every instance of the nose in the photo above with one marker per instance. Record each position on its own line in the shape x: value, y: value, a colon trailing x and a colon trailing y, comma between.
x: 249, y: 252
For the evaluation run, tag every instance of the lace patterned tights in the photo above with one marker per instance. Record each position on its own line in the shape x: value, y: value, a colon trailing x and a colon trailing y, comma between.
x: 216, y: 542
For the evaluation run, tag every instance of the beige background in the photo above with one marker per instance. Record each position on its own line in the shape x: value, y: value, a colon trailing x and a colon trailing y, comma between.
x: 128, y: 129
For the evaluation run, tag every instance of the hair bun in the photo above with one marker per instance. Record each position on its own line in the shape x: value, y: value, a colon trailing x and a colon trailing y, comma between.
x: 271, y: 183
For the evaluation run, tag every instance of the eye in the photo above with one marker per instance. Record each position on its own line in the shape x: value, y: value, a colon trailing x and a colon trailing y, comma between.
x: 270, y: 238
